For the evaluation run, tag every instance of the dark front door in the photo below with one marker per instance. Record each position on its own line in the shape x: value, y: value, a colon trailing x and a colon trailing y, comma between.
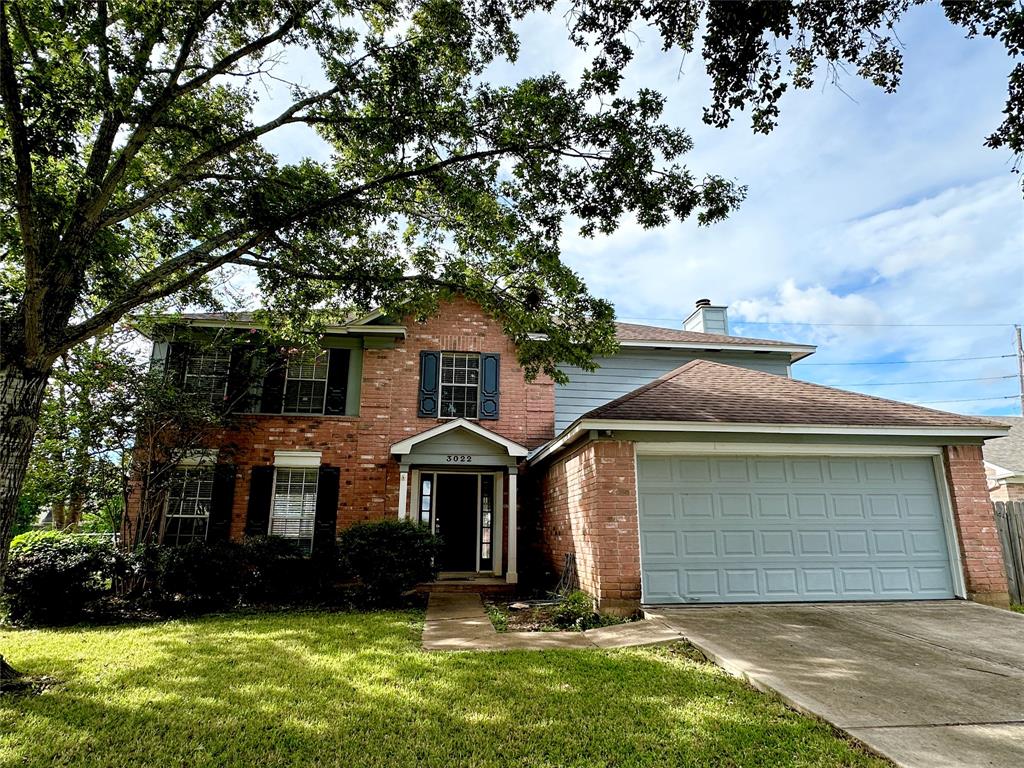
x: 455, y: 521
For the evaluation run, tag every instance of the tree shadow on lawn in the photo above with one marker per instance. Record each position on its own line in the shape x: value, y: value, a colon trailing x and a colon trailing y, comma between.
x: 354, y: 690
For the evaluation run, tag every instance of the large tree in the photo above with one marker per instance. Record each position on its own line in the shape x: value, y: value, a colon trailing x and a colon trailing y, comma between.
x: 134, y: 165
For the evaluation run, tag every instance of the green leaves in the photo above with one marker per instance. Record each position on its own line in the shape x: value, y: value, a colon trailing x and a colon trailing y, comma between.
x: 148, y: 126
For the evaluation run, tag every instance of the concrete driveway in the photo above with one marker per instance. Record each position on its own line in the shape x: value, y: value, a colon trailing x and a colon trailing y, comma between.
x: 927, y: 684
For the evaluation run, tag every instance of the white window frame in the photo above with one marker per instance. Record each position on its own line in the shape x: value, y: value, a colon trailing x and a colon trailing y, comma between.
x: 441, y: 385
x: 295, y: 466
x: 195, y: 466
x: 199, y: 356
x: 288, y: 377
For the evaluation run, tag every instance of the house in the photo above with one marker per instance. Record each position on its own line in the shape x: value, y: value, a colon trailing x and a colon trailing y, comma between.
x: 1004, y: 462
x: 688, y: 468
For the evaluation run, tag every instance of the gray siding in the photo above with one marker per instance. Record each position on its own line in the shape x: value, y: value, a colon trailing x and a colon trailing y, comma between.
x: 633, y: 368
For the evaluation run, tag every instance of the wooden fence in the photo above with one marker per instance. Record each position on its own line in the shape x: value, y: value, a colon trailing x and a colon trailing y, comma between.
x: 1010, y: 522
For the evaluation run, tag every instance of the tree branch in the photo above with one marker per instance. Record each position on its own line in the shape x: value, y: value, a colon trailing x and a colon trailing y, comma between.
x: 35, y: 288
x: 187, y: 172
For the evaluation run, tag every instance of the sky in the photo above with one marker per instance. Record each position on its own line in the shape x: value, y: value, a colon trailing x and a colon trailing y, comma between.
x: 877, y: 226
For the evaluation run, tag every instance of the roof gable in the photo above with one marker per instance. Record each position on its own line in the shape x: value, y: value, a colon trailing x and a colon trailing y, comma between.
x: 1008, y: 452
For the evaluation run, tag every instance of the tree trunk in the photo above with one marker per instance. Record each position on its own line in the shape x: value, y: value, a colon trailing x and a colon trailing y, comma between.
x: 58, y: 514
x: 21, y: 399
x: 9, y: 676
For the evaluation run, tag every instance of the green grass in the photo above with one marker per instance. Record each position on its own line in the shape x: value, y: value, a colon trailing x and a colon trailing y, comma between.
x: 353, y: 689
x: 1017, y: 608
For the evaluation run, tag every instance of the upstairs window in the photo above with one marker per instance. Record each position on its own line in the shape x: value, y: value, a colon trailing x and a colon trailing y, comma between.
x: 187, y: 514
x: 293, y: 512
x: 206, y: 373
x: 460, y: 385
x: 306, y: 383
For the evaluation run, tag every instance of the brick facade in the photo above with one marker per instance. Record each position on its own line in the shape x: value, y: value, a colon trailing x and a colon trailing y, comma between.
x: 1007, y: 492
x: 589, y: 510
x: 360, y: 445
x: 980, y: 549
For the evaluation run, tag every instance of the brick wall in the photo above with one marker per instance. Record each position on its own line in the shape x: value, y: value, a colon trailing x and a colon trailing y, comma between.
x: 360, y: 445
x: 976, y: 527
x: 589, y: 510
x: 1007, y: 492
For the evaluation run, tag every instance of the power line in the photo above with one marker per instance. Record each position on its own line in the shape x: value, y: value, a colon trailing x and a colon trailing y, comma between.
x: 911, y: 362
x: 838, y: 325
x: 964, y: 400
x: 935, y: 381
x: 876, y: 325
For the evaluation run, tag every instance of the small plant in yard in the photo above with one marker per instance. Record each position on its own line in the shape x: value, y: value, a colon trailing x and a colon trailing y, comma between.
x: 498, y: 616
x: 388, y: 558
x: 576, y: 611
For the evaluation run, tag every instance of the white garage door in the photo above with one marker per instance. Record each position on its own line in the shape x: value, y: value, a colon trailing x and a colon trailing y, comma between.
x: 790, y: 528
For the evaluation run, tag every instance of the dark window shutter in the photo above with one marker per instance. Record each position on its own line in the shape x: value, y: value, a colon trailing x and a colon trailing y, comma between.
x: 430, y: 368
x: 490, y: 389
x: 273, y: 382
x: 261, y: 485
x: 178, y: 353
x: 240, y: 378
x: 221, y: 503
x: 325, y: 522
x: 337, y: 382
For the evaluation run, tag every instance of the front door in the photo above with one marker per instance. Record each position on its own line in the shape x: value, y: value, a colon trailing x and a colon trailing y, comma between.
x: 455, y: 521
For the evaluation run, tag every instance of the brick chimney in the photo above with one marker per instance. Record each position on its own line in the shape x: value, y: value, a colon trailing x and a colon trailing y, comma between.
x: 708, y: 318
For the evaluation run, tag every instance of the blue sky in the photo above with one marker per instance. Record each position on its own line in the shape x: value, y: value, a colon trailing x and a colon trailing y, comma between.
x: 884, y: 213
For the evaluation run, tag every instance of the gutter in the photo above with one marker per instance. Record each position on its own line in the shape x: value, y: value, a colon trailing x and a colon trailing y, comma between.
x: 581, y: 426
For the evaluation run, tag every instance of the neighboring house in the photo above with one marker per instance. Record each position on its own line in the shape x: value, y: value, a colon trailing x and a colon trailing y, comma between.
x: 688, y: 468
x: 1004, y: 462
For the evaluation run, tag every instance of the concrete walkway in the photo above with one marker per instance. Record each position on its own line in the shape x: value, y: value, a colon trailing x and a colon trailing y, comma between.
x: 458, y: 622
x: 928, y: 685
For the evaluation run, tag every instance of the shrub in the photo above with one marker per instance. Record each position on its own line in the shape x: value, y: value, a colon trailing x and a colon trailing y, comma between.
x: 196, y: 577
x: 576, y: 611
x: 388, y: 558
x: 23, y: 542
x: 277, y: 572
x: 57, y: 577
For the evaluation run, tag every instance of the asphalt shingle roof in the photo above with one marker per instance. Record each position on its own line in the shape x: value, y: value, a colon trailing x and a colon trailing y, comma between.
x: 633, y: 332
x: 704, y: 391
x: 1008, y: 452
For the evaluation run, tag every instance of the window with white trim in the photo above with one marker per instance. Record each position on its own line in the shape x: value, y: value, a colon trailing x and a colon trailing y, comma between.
x: 460, y: 385
x: 187, y: 513
x: 293, y: 511
x: 206, y: 373
x: 306, y: 383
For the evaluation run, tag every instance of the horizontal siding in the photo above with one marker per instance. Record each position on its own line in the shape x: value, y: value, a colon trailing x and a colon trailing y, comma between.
x: 633, y: 368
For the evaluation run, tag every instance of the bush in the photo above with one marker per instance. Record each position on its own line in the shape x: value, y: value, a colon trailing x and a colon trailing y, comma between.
x: 388, y: 558
x: 196, y: 577
x: 576, y: 611
x: 277, y: 572
x: 56, y: 578
x: 23, y: 542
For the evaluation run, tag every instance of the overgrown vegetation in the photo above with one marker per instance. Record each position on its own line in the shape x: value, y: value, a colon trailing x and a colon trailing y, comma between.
x: 58, y: 578
x: 388, y: 558
x: 574, y: 613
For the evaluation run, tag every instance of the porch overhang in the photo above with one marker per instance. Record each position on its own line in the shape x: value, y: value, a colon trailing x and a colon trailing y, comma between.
x: 458, y: 437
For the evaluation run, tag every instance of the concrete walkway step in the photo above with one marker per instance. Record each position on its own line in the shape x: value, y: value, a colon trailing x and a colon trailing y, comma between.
x: 457, y: 621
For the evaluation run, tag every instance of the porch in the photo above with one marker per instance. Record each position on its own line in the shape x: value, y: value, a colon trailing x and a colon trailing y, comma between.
x: 460, y: 479
x: 468, y: 582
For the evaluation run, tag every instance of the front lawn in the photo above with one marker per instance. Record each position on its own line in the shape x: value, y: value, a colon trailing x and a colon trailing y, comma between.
x: 353, y: 689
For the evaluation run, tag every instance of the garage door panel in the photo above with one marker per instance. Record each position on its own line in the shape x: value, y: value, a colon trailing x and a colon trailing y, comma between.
x: 745, y: 529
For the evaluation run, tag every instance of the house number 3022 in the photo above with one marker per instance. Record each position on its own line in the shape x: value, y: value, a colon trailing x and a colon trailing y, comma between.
x: 459, y: 458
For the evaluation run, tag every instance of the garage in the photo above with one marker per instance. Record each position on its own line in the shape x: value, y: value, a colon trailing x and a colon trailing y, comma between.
x: 788, y: 528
